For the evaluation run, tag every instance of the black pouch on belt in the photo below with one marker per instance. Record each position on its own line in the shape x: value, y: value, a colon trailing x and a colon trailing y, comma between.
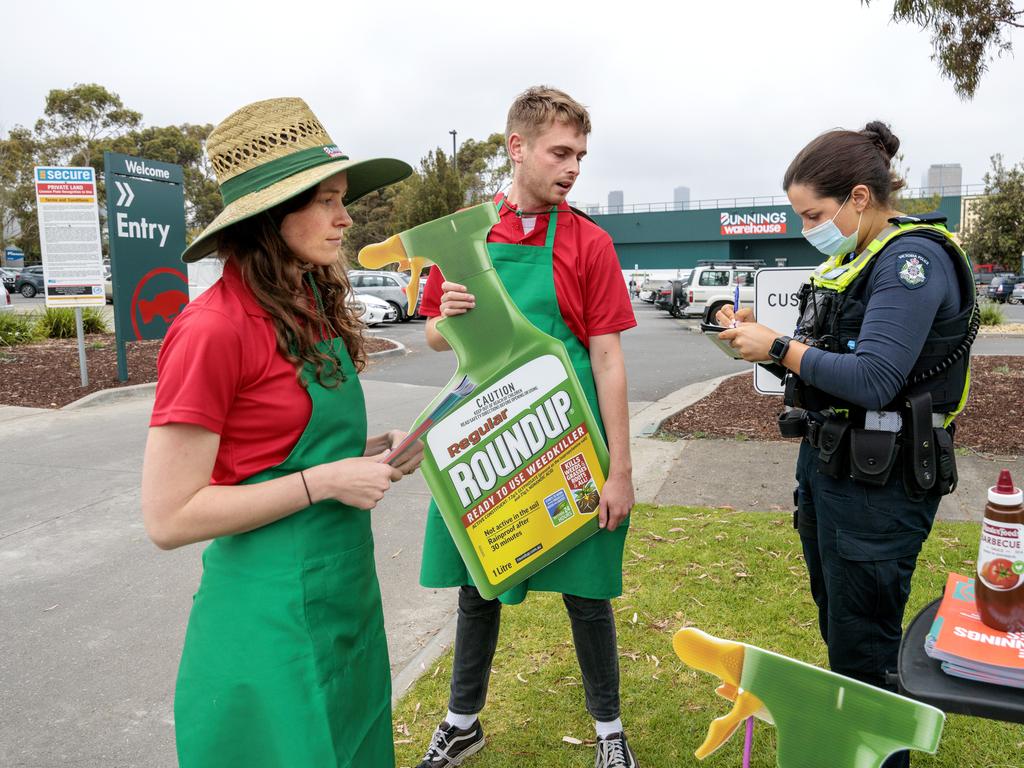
x: 832, y: 446
x: 872, y: 455
x: 945, y: 462
x: 793, y: 423
x: 919, y: 441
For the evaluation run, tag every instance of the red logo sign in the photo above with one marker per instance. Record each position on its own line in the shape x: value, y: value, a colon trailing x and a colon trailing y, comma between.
x: 166, y: 304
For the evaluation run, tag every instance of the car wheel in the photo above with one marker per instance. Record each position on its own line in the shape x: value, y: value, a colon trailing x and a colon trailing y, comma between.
x: 28, y: 290
x: 400, y: 316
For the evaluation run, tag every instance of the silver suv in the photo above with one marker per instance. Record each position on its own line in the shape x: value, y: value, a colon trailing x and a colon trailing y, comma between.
x: 389, y: 286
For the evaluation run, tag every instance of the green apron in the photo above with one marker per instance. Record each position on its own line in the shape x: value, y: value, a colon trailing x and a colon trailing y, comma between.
x: 285, y: 661
x: 594, y: 568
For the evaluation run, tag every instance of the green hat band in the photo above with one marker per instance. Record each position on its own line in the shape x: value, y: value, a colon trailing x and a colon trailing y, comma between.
x: 274, y: 171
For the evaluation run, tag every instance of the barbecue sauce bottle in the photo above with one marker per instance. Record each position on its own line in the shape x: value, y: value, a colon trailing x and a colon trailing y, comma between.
x: 999, y: 588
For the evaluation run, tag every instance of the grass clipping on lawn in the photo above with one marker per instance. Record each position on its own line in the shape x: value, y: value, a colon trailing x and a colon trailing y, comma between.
x: 738, y: 576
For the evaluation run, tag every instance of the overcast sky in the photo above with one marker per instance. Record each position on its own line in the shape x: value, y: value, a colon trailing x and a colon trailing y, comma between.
x: 717, y: 96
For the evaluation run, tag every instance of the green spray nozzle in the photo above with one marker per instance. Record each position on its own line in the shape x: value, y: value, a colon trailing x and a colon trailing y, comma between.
x: 816, y: 712
x: 456, y: 243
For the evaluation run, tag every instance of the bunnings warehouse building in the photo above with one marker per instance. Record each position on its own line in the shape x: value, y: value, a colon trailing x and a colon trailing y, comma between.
x: 658, y: 241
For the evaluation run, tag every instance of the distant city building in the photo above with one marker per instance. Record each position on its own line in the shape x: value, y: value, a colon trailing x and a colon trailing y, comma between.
x: 943, y: 179
x: 615, y: 201
x: 681, y: 196
x: 593, y: 210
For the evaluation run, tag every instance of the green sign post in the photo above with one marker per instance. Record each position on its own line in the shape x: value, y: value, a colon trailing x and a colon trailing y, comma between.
x: 146, y: 227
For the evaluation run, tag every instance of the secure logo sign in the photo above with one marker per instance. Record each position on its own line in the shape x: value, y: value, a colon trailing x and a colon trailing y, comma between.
x: 753, y: 223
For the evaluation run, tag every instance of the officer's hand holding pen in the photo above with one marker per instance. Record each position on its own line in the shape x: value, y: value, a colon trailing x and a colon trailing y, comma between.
x: 744, y: 334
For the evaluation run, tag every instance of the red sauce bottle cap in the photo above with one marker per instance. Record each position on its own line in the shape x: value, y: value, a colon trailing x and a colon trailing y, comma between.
x: 1004, y: 492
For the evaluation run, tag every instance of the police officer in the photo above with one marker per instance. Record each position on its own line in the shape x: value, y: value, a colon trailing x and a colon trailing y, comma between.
x: 875, y: 374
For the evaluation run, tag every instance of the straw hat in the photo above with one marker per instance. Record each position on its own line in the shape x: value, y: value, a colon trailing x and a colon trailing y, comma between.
x: 272, y: 150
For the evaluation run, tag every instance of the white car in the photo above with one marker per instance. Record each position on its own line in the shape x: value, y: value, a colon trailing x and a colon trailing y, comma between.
x: 371, y: 310
x: 5, y: 299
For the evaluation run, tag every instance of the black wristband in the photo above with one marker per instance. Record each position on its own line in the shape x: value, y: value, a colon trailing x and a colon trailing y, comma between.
x: 779, y: 348
x: 304, y: 485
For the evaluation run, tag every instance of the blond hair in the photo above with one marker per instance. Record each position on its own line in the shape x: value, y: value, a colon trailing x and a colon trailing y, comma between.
x: 537, y: 107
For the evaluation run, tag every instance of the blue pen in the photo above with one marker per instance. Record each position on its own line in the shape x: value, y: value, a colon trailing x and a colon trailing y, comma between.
x: 735, y: 304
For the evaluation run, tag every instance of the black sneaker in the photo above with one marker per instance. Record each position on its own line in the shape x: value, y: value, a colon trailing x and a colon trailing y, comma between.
x: 451, y: 745
x: 614, y: 752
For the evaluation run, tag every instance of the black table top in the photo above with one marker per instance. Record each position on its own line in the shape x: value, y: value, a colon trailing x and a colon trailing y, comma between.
x: 922, y: 678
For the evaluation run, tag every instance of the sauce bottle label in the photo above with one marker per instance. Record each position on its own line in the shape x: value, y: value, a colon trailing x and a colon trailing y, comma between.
x: 1001, y: 555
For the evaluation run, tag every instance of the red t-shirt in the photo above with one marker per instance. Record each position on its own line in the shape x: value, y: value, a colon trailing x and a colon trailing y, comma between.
x: 592, y: 295
x: 219, y: 368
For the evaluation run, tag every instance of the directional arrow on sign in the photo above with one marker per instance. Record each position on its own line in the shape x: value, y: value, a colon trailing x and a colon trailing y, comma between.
x: 125, y: 200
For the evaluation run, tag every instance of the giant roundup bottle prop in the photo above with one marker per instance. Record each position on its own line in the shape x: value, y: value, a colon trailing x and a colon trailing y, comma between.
x: 517, y: 465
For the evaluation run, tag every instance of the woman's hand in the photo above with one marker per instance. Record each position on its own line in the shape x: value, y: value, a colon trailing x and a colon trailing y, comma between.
x: 455, y: 300
x: 728, y: 318
x: 411, y: 457
x: 753, y: 340
x: 359, y: 482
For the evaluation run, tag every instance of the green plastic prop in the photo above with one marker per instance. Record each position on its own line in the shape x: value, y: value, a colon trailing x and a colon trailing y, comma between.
x: 514, y: 456
x: 816, y: 712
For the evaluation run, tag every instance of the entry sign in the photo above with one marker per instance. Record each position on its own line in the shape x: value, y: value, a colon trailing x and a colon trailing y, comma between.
x: 69, y: 236
x: 146, y: 227
x: 775, y: 306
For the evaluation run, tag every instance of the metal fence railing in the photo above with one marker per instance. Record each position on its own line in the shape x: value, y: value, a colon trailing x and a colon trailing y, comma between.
x: 757, y: 201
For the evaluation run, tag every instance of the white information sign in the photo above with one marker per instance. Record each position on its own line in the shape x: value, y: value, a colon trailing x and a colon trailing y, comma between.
x: 69, y: 235
x: 776, y: 306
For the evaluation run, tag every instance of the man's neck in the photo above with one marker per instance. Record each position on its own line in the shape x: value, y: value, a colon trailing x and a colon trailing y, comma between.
x: 524, y: 201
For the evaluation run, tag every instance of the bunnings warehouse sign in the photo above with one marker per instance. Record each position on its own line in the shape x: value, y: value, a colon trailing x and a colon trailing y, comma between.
x: 771, y: 223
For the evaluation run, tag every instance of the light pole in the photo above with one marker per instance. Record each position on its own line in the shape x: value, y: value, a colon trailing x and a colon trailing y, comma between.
x: 455, y: 165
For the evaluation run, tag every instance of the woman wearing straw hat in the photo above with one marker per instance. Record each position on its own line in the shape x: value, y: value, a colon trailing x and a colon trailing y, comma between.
x: 258, y: 441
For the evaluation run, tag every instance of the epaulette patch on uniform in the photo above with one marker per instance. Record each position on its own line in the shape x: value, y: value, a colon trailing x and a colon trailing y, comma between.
x: 912, y: 269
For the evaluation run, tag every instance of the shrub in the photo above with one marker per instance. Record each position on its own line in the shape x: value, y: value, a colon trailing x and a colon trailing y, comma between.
x: 992, y: 313
x: 59, y: 322
x: 16, y: 328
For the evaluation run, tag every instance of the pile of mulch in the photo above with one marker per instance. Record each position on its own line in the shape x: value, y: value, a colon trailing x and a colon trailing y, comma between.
x: 46, y: 374
x: 992, y: 422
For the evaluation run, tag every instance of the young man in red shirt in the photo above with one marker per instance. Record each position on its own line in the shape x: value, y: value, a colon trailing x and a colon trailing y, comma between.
x: 562, y: 271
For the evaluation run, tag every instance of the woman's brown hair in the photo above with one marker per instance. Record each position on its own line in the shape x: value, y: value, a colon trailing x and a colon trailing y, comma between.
x: 837, y: 161
x: 306, y: 303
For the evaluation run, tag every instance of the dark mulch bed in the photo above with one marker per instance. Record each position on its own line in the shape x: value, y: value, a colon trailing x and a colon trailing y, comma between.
x: 992, y: 422
x: 46, y: 375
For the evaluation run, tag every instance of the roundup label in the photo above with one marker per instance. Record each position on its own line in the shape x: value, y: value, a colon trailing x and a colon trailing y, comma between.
x: 519, y: 460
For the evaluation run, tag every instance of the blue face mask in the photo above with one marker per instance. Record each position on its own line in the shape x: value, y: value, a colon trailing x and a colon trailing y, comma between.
x: 829, y: 239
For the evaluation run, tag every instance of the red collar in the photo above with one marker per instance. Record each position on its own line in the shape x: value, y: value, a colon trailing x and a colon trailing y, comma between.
x: 510, y: 210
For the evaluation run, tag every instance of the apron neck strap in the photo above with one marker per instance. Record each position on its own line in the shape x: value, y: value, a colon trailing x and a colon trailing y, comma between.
x: 549, y: 241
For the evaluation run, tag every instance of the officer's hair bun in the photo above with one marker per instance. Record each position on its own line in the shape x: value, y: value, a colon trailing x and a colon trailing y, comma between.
x: 883, y: 138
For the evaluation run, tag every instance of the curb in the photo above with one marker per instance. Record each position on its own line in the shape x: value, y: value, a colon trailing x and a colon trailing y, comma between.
x: 399, y: 349
x: 427, y: 655
x: 105, y: 396
x: 647, y: 421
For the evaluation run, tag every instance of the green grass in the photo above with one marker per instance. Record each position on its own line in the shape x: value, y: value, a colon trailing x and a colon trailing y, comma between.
x: 992, y: 313
x: 735, y: 575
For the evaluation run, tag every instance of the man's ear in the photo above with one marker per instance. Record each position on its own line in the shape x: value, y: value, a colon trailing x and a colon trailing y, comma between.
x: 516, y: 147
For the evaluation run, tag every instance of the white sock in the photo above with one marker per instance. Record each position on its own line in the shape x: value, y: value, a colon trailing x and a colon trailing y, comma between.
x: 461, y: 722
x: 606, y: 729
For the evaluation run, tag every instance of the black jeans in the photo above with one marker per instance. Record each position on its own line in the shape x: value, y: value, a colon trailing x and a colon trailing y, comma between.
x: 476, y: 638
x: 861, y: 544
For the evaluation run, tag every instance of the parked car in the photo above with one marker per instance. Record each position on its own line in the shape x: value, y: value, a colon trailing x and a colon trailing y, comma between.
x: 648, y: 290
x: 389, y: 286
x: 370, y: 310
x: 7, y: 277
x: 713, y: 284
x: 1001, y: 287
x: 663, y: 295
x: 5, y: 298
x: 29, y: 281
x: 1017, y: 297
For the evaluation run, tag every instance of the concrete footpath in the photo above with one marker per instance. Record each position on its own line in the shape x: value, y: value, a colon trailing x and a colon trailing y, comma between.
x: 93, y: 615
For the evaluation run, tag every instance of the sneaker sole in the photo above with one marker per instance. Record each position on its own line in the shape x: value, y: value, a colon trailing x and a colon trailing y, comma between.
x: 468, y: 753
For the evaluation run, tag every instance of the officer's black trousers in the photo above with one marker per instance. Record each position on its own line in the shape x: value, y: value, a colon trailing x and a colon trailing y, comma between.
x: 861, y: 544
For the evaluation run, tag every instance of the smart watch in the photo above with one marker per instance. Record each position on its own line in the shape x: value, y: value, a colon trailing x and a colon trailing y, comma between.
x: 779, y: 348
